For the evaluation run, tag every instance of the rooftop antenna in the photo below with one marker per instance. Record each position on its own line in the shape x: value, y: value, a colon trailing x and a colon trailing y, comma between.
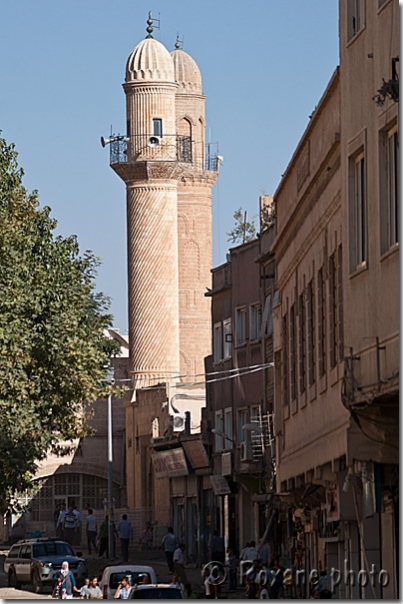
x: 151, y: 24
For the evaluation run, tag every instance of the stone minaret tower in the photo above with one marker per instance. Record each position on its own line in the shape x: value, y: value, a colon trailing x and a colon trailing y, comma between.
x: 161, y: 160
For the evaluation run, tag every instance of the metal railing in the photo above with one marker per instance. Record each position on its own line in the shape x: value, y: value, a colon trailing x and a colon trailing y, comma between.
x: 147, y: 147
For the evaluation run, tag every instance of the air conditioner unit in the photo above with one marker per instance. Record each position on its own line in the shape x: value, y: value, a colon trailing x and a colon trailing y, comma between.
x: 246, y: 451
x: 178, y: 421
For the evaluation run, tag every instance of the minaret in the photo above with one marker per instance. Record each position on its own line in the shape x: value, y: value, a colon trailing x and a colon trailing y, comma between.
x: 162, y: 156
x: 194, y: 219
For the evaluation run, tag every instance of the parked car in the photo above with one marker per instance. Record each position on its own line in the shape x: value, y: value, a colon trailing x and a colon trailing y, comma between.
x: 162, y: 591
x: 36, y: 561
x: 113, y: 575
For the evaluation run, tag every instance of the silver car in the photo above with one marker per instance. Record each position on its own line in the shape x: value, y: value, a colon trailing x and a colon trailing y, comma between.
x: 36, y: 562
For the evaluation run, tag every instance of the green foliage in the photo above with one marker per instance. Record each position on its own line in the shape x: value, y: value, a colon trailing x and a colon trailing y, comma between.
x: 53, y: 351
x: 243, y: 230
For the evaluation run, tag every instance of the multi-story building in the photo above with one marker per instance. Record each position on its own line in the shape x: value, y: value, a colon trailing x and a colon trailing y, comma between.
x: 236, y: 407
x: 336, y: 326
x: 370, y: 175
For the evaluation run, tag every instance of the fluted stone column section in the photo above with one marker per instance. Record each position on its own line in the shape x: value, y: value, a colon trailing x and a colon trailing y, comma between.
x: 145, y: 102
x: 153, y: 281
x: 195, y: 261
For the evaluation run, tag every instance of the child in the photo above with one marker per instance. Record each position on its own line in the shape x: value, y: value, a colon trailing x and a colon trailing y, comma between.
x: 85, y: 590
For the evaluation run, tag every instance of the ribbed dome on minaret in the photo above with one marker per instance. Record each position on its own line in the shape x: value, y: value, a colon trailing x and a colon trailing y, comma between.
x: 150, y: 61
x: 187, y: 73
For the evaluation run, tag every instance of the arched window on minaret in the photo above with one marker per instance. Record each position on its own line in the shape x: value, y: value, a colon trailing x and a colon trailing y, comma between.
x: 184, y: 133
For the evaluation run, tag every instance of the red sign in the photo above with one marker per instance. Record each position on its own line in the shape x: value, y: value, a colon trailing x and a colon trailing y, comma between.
x: 220, y: 485
x: 196, y: 453
x: 168, y: 464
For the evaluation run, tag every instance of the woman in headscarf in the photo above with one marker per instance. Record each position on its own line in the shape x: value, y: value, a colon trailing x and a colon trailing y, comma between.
x: 67, y: 582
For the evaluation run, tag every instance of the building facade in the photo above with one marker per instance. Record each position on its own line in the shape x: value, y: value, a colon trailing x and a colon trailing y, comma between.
x: 335, y: 330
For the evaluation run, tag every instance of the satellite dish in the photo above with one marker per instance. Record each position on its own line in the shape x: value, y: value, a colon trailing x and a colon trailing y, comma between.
x: 106, y: 141
x: 153, y: 141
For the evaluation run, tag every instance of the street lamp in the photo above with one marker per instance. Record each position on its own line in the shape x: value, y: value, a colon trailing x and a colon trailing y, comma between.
x: 222, y: 434
x: 111, y: 524
x: 253, y: 428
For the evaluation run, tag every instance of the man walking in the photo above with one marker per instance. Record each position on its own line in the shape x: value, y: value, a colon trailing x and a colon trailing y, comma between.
x: 125, y: 532
x: 91, y: 528
x: 70, y: 526
x: 169, y: 543
x: 179, y: 563
x: 77, y: 514
x: 59, y: 523
x: 216, y: 546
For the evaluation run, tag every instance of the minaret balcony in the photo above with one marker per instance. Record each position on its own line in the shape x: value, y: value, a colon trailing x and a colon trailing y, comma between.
x: 167, y: 148
x: 148, y: 147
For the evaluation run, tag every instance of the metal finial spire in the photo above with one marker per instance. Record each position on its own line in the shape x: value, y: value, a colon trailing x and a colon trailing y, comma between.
x: 149, y: 29
x: 178, y: 42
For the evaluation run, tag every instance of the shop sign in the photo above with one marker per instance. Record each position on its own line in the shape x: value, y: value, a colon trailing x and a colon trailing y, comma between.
x: 196, y: 453
x: 332, y: 500
x: 220, y: 485
x: 226, y: 469
x: 168, y: 464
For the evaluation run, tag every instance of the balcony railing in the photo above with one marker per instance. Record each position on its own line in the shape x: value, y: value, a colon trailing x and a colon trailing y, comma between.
x: 147, y: 147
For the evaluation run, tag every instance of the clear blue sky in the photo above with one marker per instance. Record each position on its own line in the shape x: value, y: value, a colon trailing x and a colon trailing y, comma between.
x: 264, y: 63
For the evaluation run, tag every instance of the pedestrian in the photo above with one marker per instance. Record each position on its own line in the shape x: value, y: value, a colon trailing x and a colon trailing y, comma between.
x: 59, y: 523
x: 262, y: 592
x: 78, y: 516
x: 176, y: 583
x: 169, y: 544
x: 216, y: 546
x: 56, y: 514
x: 103, y: 538
x: 251, y: 551
x: 85, y: 590
x: 125, y: 532
x: 70, y: 526
x: 232, y: 567
x: 95, y: 590
x: 264, y: 555
x: 91, y: 529
x: 215, y: 587
x: 322, y: 583
x: 179, y: 562
x: 67, y: 582
x: 244, y: 552
x: 123, y: 590
x: 208, y: 585
x: 276, y: 589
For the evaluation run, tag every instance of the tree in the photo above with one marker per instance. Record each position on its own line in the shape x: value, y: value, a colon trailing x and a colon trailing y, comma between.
x: 243, y: 230
x: 53, y: 351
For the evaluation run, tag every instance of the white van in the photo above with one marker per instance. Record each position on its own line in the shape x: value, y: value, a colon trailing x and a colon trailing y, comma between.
x: 113, y: 575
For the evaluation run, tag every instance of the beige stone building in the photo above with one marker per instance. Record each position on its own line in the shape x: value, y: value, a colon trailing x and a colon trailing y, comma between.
x: 336, y: 328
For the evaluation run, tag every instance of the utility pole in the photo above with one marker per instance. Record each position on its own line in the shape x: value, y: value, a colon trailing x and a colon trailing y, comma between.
x: 111, y: 523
